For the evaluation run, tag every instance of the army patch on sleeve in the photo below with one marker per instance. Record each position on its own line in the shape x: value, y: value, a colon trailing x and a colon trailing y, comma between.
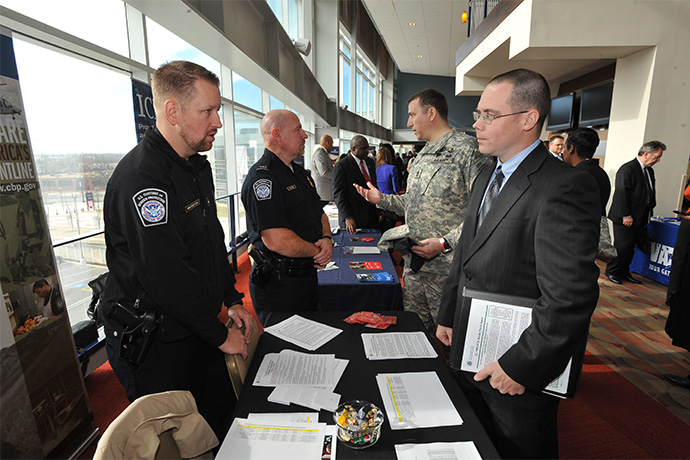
x: 262, y: 189
x: 152, y: 206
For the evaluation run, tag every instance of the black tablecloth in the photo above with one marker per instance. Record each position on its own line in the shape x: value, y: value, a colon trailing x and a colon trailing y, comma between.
x: 359, y: 382
x: 340, y: 290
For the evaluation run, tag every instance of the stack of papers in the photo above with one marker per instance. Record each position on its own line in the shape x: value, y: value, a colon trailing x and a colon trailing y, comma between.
x: 465, y: 450
x: 303, y: 332
x: 257, y: 438
x: 416, y: 400
x: 398, y: 345
x: 303, y: 379
x: 361, y: 250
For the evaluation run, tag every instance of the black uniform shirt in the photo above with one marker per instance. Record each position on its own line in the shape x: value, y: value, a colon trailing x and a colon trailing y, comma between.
x: 276, y: 197
x: 165, y: 243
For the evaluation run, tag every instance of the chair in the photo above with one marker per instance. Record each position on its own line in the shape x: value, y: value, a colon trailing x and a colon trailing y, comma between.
x: 238, y: 367
x: 158, y: 426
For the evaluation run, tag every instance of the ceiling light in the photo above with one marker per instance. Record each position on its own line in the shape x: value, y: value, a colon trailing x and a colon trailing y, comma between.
x: 420, y: 55
x: 411, y: 23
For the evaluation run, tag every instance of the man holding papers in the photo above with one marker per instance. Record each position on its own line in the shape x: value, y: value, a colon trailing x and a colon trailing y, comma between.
x: 531, y: 231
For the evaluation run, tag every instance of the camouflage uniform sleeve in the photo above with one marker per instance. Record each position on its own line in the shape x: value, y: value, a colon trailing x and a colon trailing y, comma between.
x: 470, y: 164
x: 394, y: 203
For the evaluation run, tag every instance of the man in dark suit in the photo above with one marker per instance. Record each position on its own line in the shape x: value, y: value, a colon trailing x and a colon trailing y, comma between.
x: 634, y: 199
x: 579, y: 150
x: 531, y: 231
x: 356, y: 168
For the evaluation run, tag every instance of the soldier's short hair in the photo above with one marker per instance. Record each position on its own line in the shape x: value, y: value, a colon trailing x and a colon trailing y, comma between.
x: 432, y: 98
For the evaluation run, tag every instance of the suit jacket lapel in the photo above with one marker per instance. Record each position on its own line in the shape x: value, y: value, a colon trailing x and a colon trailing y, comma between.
x: 513, y: 189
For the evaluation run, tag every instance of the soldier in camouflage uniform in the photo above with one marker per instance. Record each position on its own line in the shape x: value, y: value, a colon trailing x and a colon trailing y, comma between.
x: 434, y: 205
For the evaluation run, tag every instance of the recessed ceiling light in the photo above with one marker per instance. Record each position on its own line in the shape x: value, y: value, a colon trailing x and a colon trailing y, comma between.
x: 411, y: 23
x: 420, y: 55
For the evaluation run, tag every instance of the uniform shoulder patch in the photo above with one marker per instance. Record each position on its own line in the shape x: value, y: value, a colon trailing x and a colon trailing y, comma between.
x: 152, y: 206
x: 263, y: 189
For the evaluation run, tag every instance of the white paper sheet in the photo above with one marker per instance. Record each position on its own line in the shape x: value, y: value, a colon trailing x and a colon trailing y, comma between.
x: 362, y: 250
x: 284, y: 417
x: 438, y: 451
x: 416, y: 400
x: 291, y: 367
x: 303, y: 332
x: 248, y: 440
x: 398, y: 345
x: 493, y: 328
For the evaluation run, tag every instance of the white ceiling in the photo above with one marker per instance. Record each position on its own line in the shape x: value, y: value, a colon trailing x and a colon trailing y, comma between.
x: 437, y: 35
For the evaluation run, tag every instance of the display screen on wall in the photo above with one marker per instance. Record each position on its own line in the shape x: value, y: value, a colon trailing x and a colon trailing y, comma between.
x: 595, y: 104
x: 562, y: 113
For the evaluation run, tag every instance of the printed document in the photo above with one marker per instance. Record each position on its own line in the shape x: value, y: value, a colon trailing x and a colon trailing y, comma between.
x: 290, y: 367
x: 248, y: 440
x: 416, y: 400
x: 494, y: 327
x: 303, y: 332
x: 465, y: 450
x: 398, y: 345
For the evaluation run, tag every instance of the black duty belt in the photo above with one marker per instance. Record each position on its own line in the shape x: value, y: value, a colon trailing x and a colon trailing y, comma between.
x: 290, y: 266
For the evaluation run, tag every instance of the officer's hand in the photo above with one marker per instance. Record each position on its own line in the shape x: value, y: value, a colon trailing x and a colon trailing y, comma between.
x: 430, y: 248
x: 241, y: 316
x: 444, y: 334
x: 371, y: 194
x: 234, y: 344
x: 627, y: 221
x: 325, y: 253
x: 351, y: 225
x: 499, y: 380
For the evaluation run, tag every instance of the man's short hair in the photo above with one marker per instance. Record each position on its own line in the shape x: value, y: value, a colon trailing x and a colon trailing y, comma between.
x: 651, y: 146
x: 177, y: 78
x: 530, y: 90
x: 432, y: 98
x: 585, y: 141
x: 39, y: 284
x: 557, y: 136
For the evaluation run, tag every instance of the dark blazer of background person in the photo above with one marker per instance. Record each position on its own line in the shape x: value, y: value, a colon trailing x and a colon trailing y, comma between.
x: 678, y: 322
x: 630, y: 194
x: 591, y: 166
x: 349, y: 202
x: 539, y: 241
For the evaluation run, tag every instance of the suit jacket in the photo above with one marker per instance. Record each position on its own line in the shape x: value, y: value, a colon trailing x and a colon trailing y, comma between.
x: 630, y: 195
x: 591, y: 165
x: 349, y: 202
x: 539, y: 240
x: 322, y: 172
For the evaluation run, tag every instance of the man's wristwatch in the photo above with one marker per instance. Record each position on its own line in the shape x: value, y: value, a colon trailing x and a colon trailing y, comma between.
x: 329, y: 237
x: 446, y: 246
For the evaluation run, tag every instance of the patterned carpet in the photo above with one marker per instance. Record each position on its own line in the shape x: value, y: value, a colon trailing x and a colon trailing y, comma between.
x: 627, y: 333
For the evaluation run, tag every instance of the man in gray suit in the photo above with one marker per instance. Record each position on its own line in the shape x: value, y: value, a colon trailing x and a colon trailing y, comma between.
x: 535, y: 237
x: 322, y: 169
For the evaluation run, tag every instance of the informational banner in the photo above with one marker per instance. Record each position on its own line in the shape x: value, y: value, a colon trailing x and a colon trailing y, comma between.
x: 44, y: 408
x: 144, y: 115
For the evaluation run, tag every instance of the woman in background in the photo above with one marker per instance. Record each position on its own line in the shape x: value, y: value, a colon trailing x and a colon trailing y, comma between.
x: 387, y: 178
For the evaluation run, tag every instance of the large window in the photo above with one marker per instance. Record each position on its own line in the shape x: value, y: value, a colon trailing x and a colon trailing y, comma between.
x: 249, y: 147
x: 289, y: 14
x: 76, y: 144
x: 345, y: 69
x: 366, y: 82
x: 364, y: 79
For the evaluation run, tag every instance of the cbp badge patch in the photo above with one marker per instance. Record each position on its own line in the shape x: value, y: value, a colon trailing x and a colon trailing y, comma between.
x: 152, y: 206
x: 262, y: 189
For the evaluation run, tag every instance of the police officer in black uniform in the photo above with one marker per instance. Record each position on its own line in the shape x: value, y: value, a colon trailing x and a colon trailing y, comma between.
x: 286, y: 223
x: 169, y: 271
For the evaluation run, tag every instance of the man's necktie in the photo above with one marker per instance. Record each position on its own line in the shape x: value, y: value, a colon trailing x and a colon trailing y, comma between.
x: 491, y: 195
x: 648, y: 182
x: 364, y: 171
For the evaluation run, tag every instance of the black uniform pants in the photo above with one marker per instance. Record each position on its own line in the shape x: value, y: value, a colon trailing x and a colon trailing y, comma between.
x: 189, y: 364
x: 624, y: 240
x: 285, y: 293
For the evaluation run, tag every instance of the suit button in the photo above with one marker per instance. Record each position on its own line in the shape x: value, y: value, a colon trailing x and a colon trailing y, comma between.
x: 468, y: 277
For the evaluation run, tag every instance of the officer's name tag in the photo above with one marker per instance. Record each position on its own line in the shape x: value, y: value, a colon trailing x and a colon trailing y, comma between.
x: 262, y: 189
x: 192, y: 205
x: 152, y: 206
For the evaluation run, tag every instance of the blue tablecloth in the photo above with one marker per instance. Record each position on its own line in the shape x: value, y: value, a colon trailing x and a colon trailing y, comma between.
x: 657, y: 264
x: 340, y: 290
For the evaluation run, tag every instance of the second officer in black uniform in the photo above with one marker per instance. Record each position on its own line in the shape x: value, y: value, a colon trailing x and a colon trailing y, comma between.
x: 286, y: 223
